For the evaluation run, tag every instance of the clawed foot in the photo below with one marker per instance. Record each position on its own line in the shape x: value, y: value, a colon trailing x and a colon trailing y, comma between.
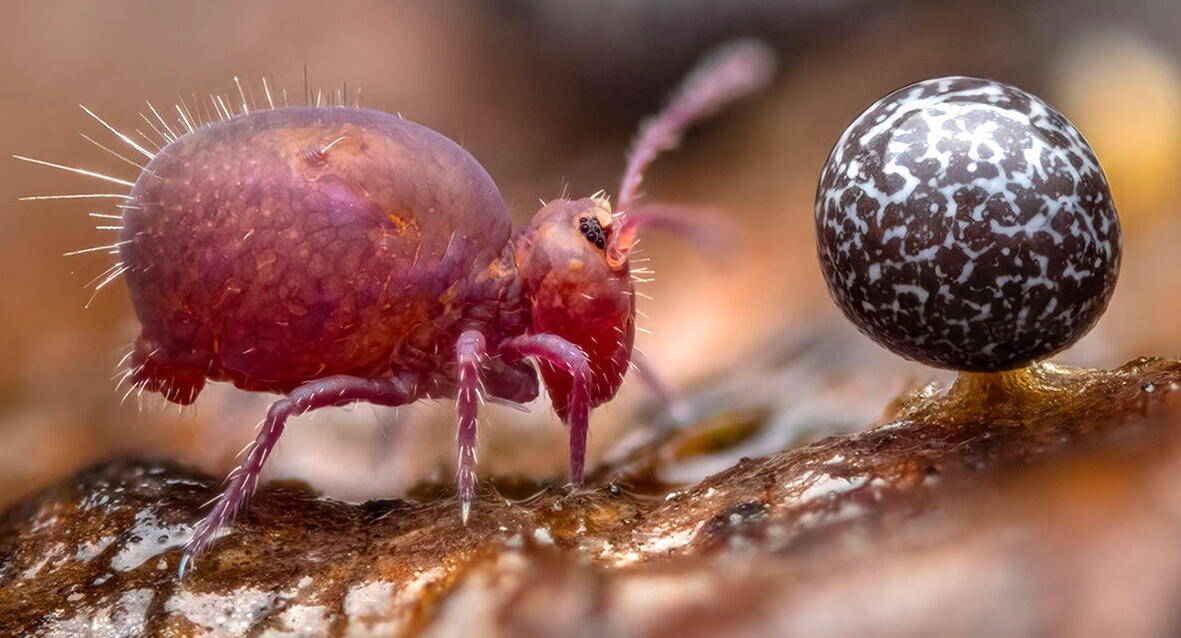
x: 207, y: 530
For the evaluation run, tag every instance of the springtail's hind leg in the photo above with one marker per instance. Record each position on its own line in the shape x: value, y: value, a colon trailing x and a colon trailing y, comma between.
x: 469, y: 350
x: 676, y: 408
x: 562, y: 354
x: 321, y: 393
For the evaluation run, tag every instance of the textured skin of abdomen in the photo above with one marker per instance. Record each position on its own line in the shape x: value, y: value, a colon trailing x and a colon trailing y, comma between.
x: 298, y: 243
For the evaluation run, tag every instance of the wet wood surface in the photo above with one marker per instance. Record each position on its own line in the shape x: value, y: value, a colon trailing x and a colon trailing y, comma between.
x: 1051, y: 509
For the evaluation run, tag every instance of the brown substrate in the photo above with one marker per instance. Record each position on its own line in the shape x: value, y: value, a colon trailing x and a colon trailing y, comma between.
x: 1039, y: 504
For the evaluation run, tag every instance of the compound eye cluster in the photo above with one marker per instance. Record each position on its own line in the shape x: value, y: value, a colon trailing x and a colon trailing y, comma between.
x: 593, y: 231
x: 966, y: 224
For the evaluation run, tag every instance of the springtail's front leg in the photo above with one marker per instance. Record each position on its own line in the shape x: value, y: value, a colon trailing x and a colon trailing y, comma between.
x: 562, y: 354
x: 321, y: 393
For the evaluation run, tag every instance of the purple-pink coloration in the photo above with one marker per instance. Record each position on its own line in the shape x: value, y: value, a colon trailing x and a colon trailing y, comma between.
x: 338, y: 255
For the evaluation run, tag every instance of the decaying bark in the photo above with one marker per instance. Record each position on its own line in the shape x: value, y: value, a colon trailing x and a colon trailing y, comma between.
x: 1049, y: 509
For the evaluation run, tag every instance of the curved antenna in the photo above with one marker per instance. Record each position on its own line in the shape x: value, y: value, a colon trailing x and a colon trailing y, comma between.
x: 702, y: 227
x: 728, y: 73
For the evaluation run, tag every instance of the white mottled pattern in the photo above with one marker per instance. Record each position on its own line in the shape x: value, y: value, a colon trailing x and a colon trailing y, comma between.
x: 967, y: 224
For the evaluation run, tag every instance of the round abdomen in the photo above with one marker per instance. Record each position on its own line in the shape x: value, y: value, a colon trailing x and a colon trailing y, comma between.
x: 288, y: 244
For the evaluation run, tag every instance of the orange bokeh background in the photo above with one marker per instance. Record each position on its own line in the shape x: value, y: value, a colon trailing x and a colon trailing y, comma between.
x: 546, y: 95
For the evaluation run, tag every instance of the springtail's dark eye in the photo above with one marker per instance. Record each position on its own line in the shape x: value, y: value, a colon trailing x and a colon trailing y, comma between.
x: 593, y: 231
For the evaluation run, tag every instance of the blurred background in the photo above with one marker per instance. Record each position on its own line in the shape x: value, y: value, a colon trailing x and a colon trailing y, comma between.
x: 547, y: 94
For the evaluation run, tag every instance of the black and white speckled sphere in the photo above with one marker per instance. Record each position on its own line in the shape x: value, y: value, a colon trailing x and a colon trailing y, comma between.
x: 966, y: 224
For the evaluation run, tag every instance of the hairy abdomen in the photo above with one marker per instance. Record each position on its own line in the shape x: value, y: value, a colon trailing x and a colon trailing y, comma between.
x: 290, y: 244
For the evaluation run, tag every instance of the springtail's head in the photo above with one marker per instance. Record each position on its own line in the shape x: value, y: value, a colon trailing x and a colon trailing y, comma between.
x: 573, y: 256
x: 576, y: 293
